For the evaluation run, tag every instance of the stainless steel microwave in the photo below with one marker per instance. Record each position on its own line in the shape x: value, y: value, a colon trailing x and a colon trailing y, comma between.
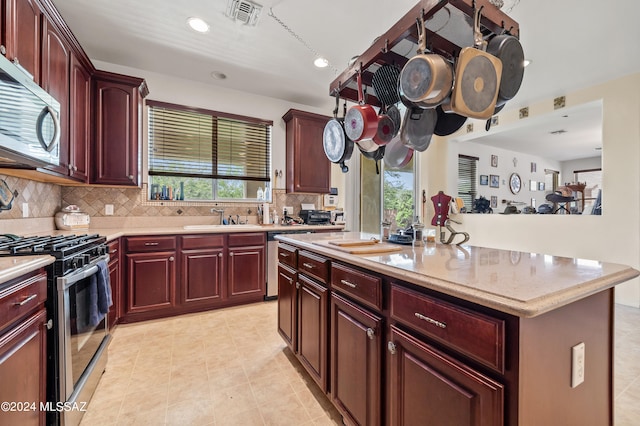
x: 29, y: 120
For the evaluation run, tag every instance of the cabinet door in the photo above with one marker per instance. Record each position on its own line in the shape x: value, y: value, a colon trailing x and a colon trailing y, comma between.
x: 56, y: 62
x: 115, y: 160
x: 114, y: 278
x: 308, y: 168
x: 427, y: 387
x: 313, y: 302
x: 151, y: 279
x: 23, y: 357
x: 246, y: 277
x: 287, y: 305
x: 356, y: 362
x: 80, y: 120
x: 22, y: 35
x: 202, y: 276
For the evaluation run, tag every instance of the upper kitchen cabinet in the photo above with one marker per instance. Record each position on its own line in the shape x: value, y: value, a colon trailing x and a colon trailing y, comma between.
x: 308, y: 169
x: 117, y: 125
x: 80, y: 120
x: 20, y: 33
x: 56, y: 62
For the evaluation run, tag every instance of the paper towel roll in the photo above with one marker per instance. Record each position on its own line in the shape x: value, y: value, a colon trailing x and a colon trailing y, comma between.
x: 265, y: 214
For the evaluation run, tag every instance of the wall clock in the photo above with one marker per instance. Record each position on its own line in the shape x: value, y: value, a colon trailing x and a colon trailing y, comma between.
x: 515, y: 183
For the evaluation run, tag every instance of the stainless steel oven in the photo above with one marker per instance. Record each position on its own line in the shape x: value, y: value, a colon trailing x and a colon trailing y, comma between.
x: 83, y: 337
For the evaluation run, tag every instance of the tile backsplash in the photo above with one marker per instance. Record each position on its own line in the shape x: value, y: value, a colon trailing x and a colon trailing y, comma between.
x: 43, y: 199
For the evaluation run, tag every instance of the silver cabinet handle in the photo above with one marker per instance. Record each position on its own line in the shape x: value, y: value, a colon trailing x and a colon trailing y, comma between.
x: 130, y: 177
x: 171, y: 259
x: 298, y: 285
x: 219, y: 254
x: 231, y: 254
x: 392, y: 348
x: 284, y: 255
x: 115, y: 251
x: 289, y: 279
x: 430, y: 320
x: 151, y: 244
x: 347, y: 283
x: 25, y: 301
x: 308, y: 265
x: 49, y: 324
x: 371, y: 333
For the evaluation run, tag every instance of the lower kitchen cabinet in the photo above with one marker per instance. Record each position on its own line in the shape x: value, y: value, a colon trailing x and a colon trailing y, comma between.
x: 427, y: 387
x: 115, y: 280
x: 246, y: 280
x: 287, y: 305
x: 202, y: 265
x: 356, y: 362
x: 23, y: 350
x: 313, y: 300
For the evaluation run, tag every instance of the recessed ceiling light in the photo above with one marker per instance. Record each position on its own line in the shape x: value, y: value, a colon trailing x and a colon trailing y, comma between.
x: 527, y: 62
x: 218, y: 75
x: 198, y: 25
x: 321, y: 62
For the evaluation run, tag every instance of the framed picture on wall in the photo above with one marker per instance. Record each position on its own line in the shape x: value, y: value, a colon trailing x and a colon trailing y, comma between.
x: 494, y: 161
x: 484, y: 180
x: 540, y: 186
x: 494, y: 181
x: 494, y: 202
x: 533, y: 185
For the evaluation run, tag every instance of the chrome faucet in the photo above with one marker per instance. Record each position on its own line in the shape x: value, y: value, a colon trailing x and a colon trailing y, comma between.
x: 220, y: 212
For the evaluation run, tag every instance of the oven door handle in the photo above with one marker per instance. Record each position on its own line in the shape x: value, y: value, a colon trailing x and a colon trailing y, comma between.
x: 65, y: 282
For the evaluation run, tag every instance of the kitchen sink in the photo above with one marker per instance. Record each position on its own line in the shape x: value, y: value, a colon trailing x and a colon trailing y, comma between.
x: 222, y: 227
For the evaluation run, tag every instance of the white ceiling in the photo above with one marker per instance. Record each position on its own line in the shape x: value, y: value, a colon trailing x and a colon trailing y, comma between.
x: 573, y: 43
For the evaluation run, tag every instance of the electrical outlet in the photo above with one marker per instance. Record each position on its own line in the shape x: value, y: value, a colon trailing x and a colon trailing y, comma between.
x: 577, y: 364
x: 25, y: 209
x: 108, y: 209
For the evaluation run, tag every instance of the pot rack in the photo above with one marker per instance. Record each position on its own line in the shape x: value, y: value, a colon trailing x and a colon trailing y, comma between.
x: 449, y: 28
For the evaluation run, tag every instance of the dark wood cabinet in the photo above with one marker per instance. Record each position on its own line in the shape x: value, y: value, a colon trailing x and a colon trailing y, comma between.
x: 203, y: 268
x: 22, y: 34
x: 80, y: 120
x: 56, y: 62
x: 287, y: 305
x: 115, y: 278
x: 427, y: 386
x: 23, y: 349
x: 357, y: 336
x: 246, y: 278
x: 313, y: 302
x: 308, y: 168
x: 151, y: 276
x: 117, y: 120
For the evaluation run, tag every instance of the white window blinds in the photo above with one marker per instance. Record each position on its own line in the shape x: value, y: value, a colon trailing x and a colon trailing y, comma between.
x: 207, y: 144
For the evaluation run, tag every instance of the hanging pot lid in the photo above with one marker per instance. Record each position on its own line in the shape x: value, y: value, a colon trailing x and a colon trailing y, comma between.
x: 417, y: 128
x: 394, y: 114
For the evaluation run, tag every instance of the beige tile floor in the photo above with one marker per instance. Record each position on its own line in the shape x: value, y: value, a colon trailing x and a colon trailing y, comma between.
x: 230, y: 367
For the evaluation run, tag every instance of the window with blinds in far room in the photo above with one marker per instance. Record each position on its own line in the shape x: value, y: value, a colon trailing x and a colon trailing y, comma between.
x: 467, y: 179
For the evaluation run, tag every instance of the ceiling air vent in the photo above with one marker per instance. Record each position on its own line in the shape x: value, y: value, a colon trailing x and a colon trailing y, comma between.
x: 244, y: 11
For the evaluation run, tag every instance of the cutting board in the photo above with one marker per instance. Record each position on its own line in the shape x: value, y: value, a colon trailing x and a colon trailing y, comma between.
x: 352, y: 243
x: 362, y: 249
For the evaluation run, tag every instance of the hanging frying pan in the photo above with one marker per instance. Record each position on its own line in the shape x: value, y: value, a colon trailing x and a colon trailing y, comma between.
x: 478, y: 76
x: 397, y: 155
x: 386, y: 130
x: 508, y: 49
x: 394, y: 114
x: 448, y: 122
x: 426, y: 79
x: 337, y: 147
x: 417, y: 128
x: 361, y: 121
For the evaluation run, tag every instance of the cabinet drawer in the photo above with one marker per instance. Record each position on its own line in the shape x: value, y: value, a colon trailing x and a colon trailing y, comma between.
x: 246, y: 239
x: 288, y: 255
x: 365, y: 288
x: 477, y: 335
x: 17, y: 300
x: 151, y: 243
x: 190, y: 242
x: 314, y: 265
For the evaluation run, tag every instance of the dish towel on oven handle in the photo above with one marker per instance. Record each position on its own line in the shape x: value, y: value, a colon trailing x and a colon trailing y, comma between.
x: 104, y: 288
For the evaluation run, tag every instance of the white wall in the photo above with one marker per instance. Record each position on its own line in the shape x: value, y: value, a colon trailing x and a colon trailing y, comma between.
x: 612, y: 237
x: 568, y: 167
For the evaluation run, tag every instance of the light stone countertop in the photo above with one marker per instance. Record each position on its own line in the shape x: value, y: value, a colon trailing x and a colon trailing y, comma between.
x: 518, y: 283
x: 16, y: 266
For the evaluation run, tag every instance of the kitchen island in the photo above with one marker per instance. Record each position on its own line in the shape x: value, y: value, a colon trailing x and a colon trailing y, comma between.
x: 451, y: 334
